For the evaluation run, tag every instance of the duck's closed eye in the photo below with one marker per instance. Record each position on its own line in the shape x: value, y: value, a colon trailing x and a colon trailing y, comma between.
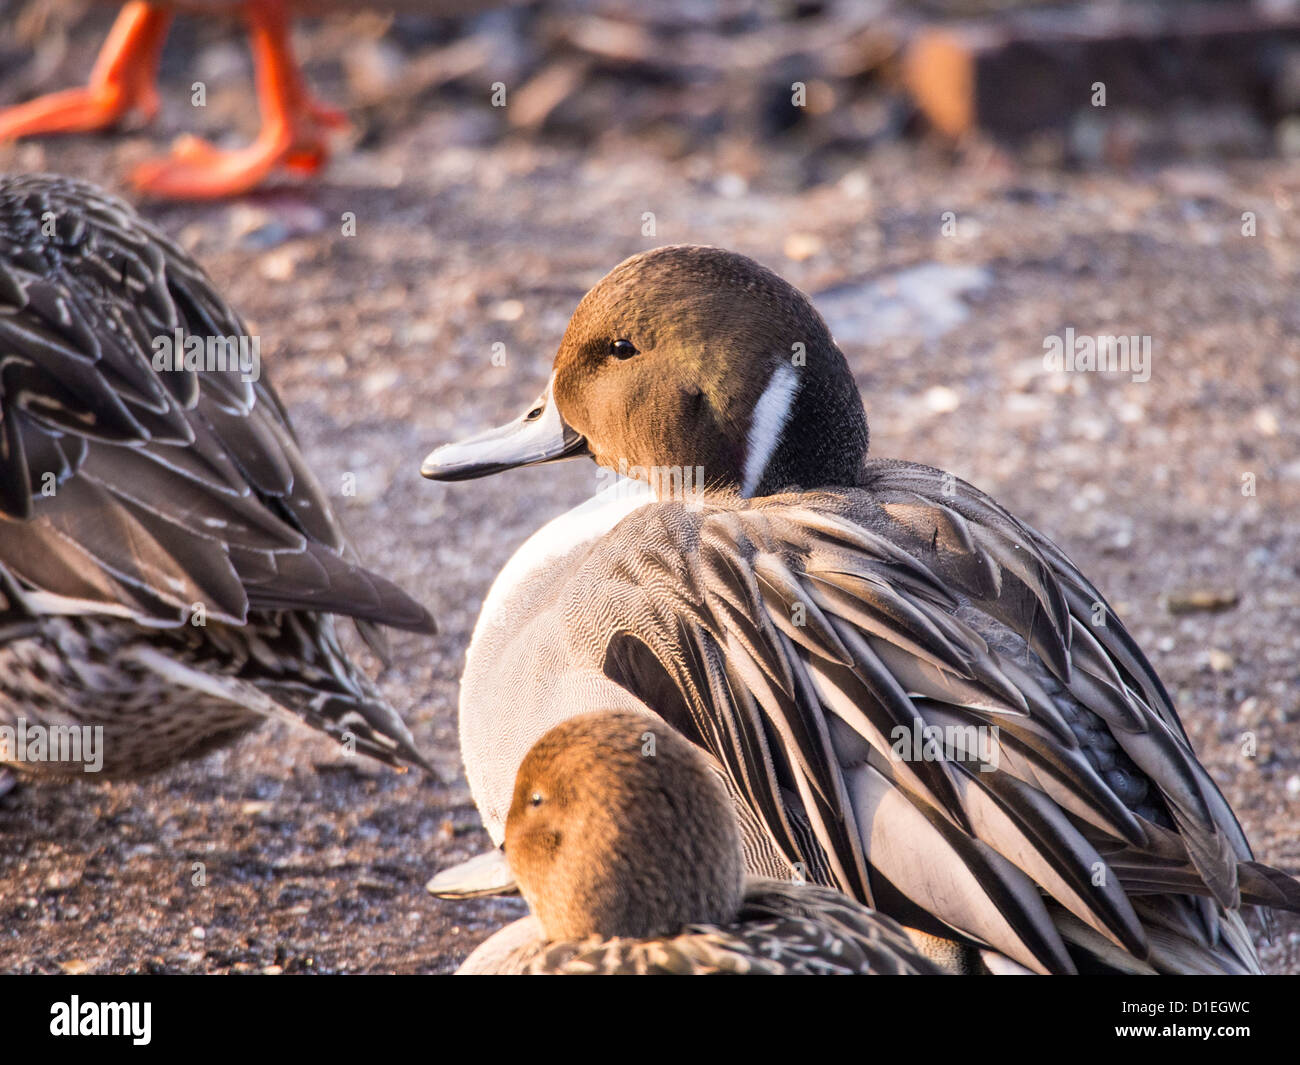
x: 622, y: 349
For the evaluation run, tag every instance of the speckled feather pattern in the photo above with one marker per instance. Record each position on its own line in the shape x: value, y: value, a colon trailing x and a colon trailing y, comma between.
x: 129, y: 496
x: 781, y: 930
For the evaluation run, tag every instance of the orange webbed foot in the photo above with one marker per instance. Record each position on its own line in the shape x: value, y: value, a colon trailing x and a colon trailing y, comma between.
x: 69, y: 111
x: 294, y: 131
x: 121, y: 82
x: 196, y: 169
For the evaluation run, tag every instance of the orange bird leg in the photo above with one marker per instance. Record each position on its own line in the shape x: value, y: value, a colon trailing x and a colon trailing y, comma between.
x: 293, y: 130
x: 122, y: 80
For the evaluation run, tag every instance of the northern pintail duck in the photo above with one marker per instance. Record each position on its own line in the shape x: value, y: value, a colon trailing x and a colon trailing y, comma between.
x: 168, y: 562
x: 295, y: 127
x: 913, y: 696
x: 626, y: 846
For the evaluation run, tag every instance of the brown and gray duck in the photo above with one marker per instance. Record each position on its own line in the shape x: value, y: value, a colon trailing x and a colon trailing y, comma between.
x: 626, y: 845
x: 170, y: 568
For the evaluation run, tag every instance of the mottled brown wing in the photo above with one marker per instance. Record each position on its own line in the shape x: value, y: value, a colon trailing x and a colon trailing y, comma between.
x: 142, y: 491
x: 134, y: 491
x: 782, y: 930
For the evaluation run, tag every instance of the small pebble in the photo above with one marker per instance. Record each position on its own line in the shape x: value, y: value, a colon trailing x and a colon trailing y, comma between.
x: 942, y: 400
x: 801, y: 246
x: 1219, y: 661
x: 1266, y: 422
x: 731, y: 186
x: 507, y: 311
x: 1194, y: 600
x: 64, y: 880
x: 278, y: 265
x: 379, y: 382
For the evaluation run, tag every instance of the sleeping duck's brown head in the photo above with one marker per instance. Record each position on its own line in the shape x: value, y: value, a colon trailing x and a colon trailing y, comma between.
x: 619, y: 828
x: 688, y: 356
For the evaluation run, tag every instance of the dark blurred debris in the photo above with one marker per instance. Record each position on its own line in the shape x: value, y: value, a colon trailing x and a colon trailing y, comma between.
x: 829, y: 81
x: 1029, y: 71
x: 262, y: 227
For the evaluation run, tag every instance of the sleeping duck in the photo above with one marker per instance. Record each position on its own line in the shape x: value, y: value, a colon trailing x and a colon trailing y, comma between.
x: 295, y: 126
x: 912, y: 695
x: 626, y: 846
x: 169, y: 566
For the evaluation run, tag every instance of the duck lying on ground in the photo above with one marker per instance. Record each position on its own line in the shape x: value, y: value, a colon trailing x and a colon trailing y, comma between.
x: 912, y: 695
x: 168, y: 563
x: 626, y: 846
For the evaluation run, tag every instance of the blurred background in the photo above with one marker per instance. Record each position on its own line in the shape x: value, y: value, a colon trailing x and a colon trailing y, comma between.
x: 702, y: 81
x: 946, y: 182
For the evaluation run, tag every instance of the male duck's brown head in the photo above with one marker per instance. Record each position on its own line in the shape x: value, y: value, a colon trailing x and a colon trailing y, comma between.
x: 619, y: 828
x: 687, y: 357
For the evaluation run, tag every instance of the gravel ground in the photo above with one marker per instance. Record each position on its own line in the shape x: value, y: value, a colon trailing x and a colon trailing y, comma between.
x: 278, y: 856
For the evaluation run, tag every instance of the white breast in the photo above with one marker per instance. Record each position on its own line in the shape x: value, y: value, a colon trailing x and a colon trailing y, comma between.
x: 554, y: 544
x: 518, y: 679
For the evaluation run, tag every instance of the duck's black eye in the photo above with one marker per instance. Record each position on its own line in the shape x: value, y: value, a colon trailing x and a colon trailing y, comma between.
x: 622, y: 349
x: 533, y: 414
x: 535, y: 799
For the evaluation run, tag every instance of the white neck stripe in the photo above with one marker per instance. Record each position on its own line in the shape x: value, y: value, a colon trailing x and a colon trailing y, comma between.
x: 771, y: 413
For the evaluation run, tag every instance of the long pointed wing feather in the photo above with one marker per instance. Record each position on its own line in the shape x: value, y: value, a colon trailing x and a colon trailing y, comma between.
x: 829, y: 627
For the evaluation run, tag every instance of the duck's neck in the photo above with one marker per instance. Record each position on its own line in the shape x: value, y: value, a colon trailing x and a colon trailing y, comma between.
x: 824, y: 440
